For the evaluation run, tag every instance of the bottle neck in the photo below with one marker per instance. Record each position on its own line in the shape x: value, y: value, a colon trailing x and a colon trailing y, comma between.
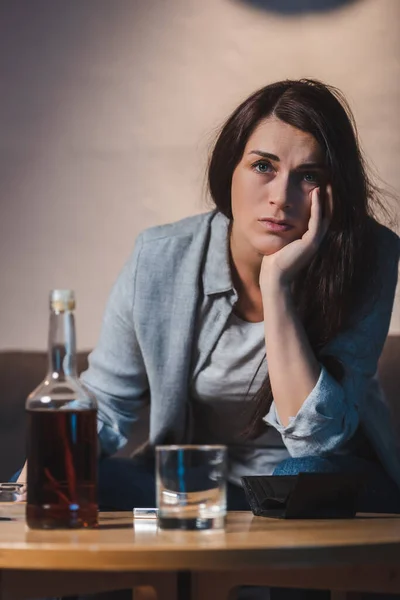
x: 62, y: 347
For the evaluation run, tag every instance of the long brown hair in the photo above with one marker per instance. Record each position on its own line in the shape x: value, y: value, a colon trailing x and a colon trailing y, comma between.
x: 336, y: 281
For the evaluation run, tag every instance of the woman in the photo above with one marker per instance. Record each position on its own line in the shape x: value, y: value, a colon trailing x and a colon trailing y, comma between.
x: 259, y: 324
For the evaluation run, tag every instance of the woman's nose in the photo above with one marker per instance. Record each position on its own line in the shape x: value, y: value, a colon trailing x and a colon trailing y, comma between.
x: 279, y: 194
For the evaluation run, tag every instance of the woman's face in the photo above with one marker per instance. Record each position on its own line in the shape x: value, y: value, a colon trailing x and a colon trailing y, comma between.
x: 271, y: 187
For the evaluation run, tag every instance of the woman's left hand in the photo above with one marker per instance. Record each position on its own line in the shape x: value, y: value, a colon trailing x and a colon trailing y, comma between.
x: 283, y: 266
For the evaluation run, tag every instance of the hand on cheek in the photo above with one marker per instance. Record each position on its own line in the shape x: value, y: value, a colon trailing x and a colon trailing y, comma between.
x: 282, y: 267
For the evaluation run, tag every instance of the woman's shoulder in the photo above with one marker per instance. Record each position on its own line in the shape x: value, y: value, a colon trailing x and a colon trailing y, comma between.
x: 384, y: 244
x: 385, y: 238
x: 192, y: 226
x: 160, y: 249
x: 381, y: 266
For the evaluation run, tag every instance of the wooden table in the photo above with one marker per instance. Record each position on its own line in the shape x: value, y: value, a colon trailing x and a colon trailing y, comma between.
x: 356, y: 554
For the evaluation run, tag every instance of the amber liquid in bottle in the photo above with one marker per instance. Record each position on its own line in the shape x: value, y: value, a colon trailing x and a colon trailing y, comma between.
x: 62, y: 490
x: 62, y: 434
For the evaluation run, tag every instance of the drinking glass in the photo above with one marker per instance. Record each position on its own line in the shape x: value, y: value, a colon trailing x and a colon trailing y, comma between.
x: 191, y: 486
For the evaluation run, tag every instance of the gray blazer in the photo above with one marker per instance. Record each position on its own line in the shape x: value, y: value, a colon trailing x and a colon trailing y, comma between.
x: 177, y: 286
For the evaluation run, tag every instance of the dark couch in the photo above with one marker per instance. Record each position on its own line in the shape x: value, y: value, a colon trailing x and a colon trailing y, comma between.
x: 21, y: 372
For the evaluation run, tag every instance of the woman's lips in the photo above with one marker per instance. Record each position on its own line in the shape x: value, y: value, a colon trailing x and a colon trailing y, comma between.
x: 274, y: 226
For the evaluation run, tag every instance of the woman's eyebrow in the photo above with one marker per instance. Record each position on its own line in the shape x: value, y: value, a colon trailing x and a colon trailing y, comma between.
x: 265, y: 154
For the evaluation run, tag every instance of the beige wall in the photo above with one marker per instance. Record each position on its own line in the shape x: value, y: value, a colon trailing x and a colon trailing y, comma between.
x: 107, y: 108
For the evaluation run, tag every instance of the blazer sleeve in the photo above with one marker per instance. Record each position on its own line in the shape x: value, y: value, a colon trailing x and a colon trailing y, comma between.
x: 116, y: 374
x: 330, y: 415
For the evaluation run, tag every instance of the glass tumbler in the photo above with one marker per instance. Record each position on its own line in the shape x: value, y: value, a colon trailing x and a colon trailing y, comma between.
x: 191, y: 486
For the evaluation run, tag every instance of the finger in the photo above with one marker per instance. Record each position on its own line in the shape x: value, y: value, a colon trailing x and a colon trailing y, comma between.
x: 329, y: 202
x: 318, y: 225
x: 325, y: 211
x: 315, y: 214
x: 328, y: 211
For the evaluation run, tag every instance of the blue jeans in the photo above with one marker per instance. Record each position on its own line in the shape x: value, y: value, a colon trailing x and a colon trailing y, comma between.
x: 126, y: 483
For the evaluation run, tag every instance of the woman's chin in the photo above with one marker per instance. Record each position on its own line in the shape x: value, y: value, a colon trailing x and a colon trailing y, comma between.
x: 270, y: 247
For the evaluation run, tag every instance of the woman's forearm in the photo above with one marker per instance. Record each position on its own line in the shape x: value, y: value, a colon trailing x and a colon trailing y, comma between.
x: 292, y: 366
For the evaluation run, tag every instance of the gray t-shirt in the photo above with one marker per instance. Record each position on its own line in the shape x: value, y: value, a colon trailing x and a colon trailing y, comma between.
x: 222, y: 404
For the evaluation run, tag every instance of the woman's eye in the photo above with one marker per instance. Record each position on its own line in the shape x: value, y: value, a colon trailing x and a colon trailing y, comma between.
x: 311, y: 177
x: 262, y: 167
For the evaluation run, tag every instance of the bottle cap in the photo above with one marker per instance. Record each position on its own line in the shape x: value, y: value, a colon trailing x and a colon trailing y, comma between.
x: 62, y: 300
